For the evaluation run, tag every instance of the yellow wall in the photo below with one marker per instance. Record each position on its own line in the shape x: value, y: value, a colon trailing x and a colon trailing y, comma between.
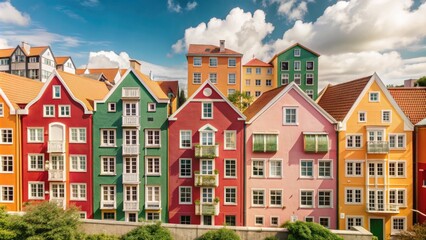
x: 252, y: 88
x: 11, y: 179
x: 373, y: 111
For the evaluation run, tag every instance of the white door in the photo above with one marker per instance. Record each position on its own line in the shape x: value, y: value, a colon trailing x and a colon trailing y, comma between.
x: 56, y: 133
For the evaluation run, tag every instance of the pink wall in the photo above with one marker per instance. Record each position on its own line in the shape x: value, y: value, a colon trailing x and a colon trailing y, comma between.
x: 291, y: 150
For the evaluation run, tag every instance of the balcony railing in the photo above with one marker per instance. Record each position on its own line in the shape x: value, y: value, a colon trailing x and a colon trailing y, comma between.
x: 202, y: 180
x: 130, y: 178
x: 385, y: 208
x: 108, y: 205
x: 131, y: 206
x: 206, y: 151
x: 130, y: 149
x: 132, y: 93
x: 152, y: 205
x: 56, y: 175
x: 380, y: 147
x: 208, y: 209
x: 58, y: 201
x: 55, y: 147
x: 130, y: 121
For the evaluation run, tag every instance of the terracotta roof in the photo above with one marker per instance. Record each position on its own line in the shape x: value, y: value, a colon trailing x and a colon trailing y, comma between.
x: 261, y: 102
x: 337, y: 100
x: 168, y: 86
x: 109, y: 73
x: 296, y: 44
x: 6, y: 52
x: 85, y: 89
x: 412, y: 101
x: 61, y: 60
x: 19, y: 90
x: 202, y: 49
x: 123, y: 71
x: 35, y: 51
x: 80, y: 71
x: 152, y: 85
x: 257, y: 63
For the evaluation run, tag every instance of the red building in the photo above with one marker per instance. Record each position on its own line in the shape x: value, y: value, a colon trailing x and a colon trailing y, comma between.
x: 57, y: 142
x: 206, y: 164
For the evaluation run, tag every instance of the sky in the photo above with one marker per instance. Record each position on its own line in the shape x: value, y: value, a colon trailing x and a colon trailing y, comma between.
x: 355, y: 38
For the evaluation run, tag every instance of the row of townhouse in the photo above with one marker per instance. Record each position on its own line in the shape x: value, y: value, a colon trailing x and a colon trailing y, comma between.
x: 124, y: 154
x: 224, y: 68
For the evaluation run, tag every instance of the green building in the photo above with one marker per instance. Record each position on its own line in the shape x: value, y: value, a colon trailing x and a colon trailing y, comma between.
x: 297, y: 64
x: 130, y: 150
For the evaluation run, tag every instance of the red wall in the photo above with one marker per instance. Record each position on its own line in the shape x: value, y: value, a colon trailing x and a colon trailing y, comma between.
x: 421, y: 171
x: 35, y: 118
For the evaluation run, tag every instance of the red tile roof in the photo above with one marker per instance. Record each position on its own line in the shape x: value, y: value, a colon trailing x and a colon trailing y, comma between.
x: 337, y: 100
x: 202, y: 49
x: 412, y: 101
x: 257, y: 63
x: 261, y: 102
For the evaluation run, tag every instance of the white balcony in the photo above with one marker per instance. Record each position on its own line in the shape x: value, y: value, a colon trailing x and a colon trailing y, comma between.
x: 130, y: 93
x: 108, y: 205
x: 202, y: 180
x: 130, y: 121
x: 208, y: 209
x: 130, y: 178
x: 152, y: 205
x: 206, y: 151
x: 384, y: 208
x: 378, y: 147
x: 59, y: 201
x: 57, y: 175
x: 130, y: 149
x: 55, y: 147
x: 131, y: 206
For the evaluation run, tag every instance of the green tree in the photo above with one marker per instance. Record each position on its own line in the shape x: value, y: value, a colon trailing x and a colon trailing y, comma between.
x: 181, y: 99
x: 220, y: 234
x: 307, y: 230
x: 241, y: 100
x: 148, y: 232
x: 421, y: 82
x: 418, y: 232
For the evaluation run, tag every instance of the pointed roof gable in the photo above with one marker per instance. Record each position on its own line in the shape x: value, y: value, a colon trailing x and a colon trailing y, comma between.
x: 269, y: 98
x: 109, y: 73
x: 18, y: 90
x: 292, y: 46
x: 207, y: 49
x: 80, y: 71
x: 63, y: 59
x: 412, y: 102
x: 216, y: 94
x: 257, y: 63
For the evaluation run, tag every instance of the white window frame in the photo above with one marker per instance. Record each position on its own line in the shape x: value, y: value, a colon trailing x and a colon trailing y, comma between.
x: 1, y: 193
x: 203, y: 113
x: 36, y: 155
x: 214, y: 60
x: 396, y: 136
x: 7, y: 158
x: 331, y: 168
x: 112, y: 107
x: 56, y: 89
x: 295, y: 64
x: 4, y: 131
x: 230, y: 60
x: 80, y: 134
x: 259, y: 217
x: 248, y: 70
x: 252, y: 197
x: 298, y: 77
x: 82, y: 214
x: 280, y: 161
x: 278, y: 221
x: 195, y: 80
x: 180, y: 139
x: 360, y: 114
x: 42, y: 192
x: 38, y: 134
x: 153, y: 158
x: 114, y: 196
x: 258, y: 72
x: 396, y: 231
x: 296, y: 52
x: 370, y: 94
x: 309, y: 75
x: 328, y: 221
x: 268, y: 82
x: 226, y: 142
x: 180, y: 168
x: 153, y: 213
x: 396, y: 162
x: 213, y: 80
x: 51, y: 108
x: 80, y: 196
x: 197, y: 59
x: 285, y: 76
x: 312, y: 219
x: 300, y: 169
x: 235, y: 198
x: 65, y: 107
x: 151, y: 188
x: 225, y: 168
x: 252, y: 168
x: 353, y: 196
x: 180, y: 195
x: 270, y: 198
x: 353, y: 163
x: 383, y: 115
x: 80, y: 158
x: 331, y: 198
x: 229, y: 78
x: 153, y: 144
x: 354, y: 136
x: 285, y: 116
x: 404, y: 199
x: 354, y: 218
x: 109, y: 165
x: 152, y: 107
x: 313, y: 66
x: 108, y: 144
x: 312, y: 197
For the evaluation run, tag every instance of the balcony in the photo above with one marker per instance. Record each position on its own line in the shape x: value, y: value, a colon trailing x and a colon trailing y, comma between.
x: 389, y: 208
x: 130, y: 93
x: 152, y: 205
x: 202, y: 180
x: 206, y: 151
x: 130, y: 121
x: 56, y: 175
x: 108, y: 205
x: 55, y: 147
x: 378, y: 147
x: 58, y: 201
x: 208, y: 209
x: 130, y: 149
x: 130, y: 178
x: 131, y: 206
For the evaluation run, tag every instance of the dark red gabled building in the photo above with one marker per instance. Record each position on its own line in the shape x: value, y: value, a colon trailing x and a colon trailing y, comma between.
x: 206, y: 161
x: 57, y: 142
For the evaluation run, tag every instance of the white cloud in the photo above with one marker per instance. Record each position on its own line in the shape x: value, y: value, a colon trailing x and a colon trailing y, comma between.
x: 191, y: 5
x: 70, y: 13
x: 40, y: 37
x: 4, y: 44
x: 291, y: 9
x: 10, y: 15
x: 173, y: 7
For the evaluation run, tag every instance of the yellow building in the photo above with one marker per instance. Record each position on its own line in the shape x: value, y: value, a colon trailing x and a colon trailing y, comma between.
x: 257, y: 78
x: 375, y: 179
x: 15, y: 91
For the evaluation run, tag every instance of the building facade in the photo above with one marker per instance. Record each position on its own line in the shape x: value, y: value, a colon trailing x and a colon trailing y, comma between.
x: 291, y: 164
x: 375, y: 157
x: 257, y: 78
x: 65, y: 64
x: 206, y: 165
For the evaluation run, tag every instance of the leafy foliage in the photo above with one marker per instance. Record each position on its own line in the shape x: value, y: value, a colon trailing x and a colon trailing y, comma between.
x: 101, y: 237
x: 271, y: 238
x: 148, y: 232
x: 421, y: 82
x: 241, y: 100
x: 220, y: 234
x: 418, y: 232
x: 307, y: 230
x: 181, y: 98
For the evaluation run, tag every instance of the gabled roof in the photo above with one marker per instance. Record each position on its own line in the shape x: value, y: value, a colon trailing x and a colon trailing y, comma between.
x: 169, y: 86
x: 109, y: 73
x: 35, y: 51
x: 18, y: 90
x: 123, y: 71
x: 62, y: 60
x: 292, y: 46
x: 337, y: 100
x: 204, y: 49
x: 80, y: 71
x: 412, y: 102
x: 269, y: 98
x: 6, y: 52
x: 257, y: 63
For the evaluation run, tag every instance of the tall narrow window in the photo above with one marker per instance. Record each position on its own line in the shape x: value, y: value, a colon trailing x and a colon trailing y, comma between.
x: 207, y: 110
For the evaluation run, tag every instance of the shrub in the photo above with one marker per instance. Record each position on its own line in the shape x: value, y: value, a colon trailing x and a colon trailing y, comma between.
x: 417, y: 232
x: 220, y: 234
x: 148, y: 232
x: 271, y: 238
x: 101, y: 237
x: 306, y: 230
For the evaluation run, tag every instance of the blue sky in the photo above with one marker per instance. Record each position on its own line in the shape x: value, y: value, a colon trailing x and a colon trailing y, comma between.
x: 355, y: 38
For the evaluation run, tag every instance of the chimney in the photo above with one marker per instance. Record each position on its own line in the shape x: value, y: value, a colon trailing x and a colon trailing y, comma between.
x: 26, y: 47
x: 135, y: 64
x: 222, y: 45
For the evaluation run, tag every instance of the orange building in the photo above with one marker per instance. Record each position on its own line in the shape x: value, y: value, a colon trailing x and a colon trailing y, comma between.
x: 257, y: 77
x: 220, y: 65
x: 15, y: 91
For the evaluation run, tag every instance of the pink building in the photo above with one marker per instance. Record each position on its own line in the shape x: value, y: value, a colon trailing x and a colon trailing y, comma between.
x: 291, y: 162
x: 206, y: 142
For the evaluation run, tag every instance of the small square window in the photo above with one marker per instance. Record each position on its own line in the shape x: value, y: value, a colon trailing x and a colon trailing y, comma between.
x: 197, y: 61
x: 309, y: 219
x: 213, y: 62
x: 185, y: 219
x: 274, y: 221
x: 64, y: 110
x: 257, y: 93
x: 112, y: 107
x: 284, y: 78
x: 297, y: 52
x: 108, y: 216
x: 362, y: 116
x: 230, y: 220
x: 49, y: 111
x: 231, y: 78
x: 325, y: 222
x: 248, y: 70
x: 297, y: 66
x: 258, y: 70
x: 268, y: 82
x: 152, y: 107
x: 258, y: 221
x: 290, y: 116
x: 258, y: 82
x: 374, y: 97
x: 232, y: 62
x: 310, y: 93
